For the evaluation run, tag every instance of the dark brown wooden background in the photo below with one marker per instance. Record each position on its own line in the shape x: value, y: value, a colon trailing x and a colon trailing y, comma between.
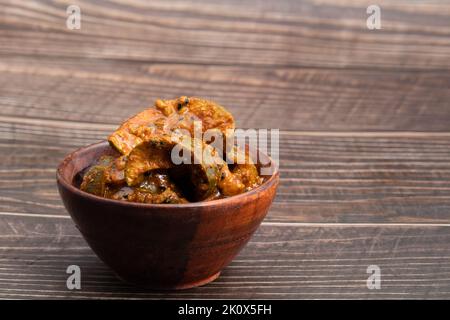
x: 365, y: 144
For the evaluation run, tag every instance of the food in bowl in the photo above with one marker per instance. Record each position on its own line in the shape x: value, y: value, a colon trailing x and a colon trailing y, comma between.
x: 148, y: 214
x: 163, y: 157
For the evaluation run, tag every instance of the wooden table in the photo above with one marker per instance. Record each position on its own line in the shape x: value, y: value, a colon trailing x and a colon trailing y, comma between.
x: 364, y: 117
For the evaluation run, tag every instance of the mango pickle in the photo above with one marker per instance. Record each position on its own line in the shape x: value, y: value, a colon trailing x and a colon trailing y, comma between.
x: 184, y: 111
x: 147, y: 156
x: 161, y: 161
x: 125, y: 138
x: 94, y: 180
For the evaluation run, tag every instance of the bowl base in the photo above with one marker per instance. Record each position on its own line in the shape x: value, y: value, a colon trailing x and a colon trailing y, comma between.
x: 198, y: 283
x: 180, y: 286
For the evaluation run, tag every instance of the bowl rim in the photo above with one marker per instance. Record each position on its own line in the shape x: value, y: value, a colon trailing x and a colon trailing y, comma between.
x: 69, y: 186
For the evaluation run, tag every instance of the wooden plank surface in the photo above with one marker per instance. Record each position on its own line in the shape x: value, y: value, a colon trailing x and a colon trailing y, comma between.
x: 324, y: 178
x: 99, y: 91
x: 364, y: 146
x: 414, y: 35
x: 313, y: 261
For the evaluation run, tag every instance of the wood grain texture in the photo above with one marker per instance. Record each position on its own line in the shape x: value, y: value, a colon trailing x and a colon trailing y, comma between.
x: 364, y: 149
x: 284, y: 262
x: 414, y: 35
x: 328, y: 178
x: 100, y: 91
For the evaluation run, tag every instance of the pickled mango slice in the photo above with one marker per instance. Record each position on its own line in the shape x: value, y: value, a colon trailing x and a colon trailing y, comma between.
x: 157, y: 187
x: 94, y: 181
x: 230, y: 184
x: 202, y: 171
x: 242, y: 177
x: 126, y: 138
x: 183, y: 111
x: 116, y: 171
x: 247, y: 172
x: 148, y: 155
x: 156, y: 182
x: 95, y: 178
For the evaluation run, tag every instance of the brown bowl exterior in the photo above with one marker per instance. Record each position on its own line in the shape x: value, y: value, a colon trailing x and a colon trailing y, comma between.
x: 162, y: 246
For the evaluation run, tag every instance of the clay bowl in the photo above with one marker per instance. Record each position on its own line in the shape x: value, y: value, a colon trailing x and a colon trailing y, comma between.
x: 165, y: 246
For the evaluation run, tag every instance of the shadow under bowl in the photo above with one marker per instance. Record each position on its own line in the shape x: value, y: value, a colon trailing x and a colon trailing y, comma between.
x: 162, y: 246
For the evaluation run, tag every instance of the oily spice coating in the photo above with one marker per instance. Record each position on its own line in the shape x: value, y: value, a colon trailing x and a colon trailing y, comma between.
x: 145, y: 170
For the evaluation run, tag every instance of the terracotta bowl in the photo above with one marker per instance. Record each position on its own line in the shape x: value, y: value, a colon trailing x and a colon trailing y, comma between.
x: 162, y: 246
